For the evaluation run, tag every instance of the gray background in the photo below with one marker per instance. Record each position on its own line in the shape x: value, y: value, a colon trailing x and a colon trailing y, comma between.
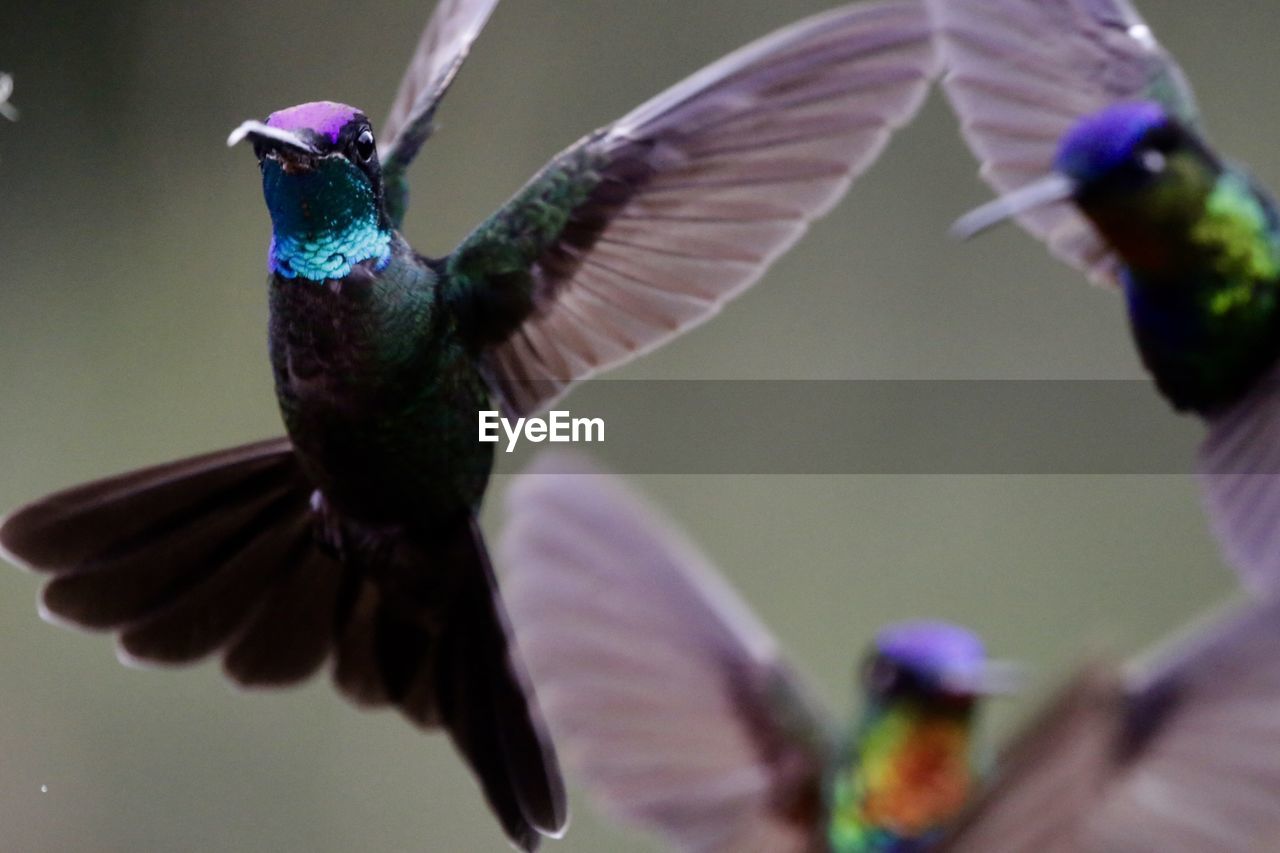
x: 132, y: 331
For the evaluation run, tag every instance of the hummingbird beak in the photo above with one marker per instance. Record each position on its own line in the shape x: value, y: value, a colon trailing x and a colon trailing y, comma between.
x: 1045, y: 191
x: 993, y: 678
x: 287, y: 145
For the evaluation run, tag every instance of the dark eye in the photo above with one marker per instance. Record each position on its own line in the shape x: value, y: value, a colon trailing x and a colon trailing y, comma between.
x: 364, y: 146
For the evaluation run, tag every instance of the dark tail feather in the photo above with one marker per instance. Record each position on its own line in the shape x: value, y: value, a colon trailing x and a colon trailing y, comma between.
x: 456, y: 671
x: 486, y: 696
x: 186, y: 558
x: 219, y: 552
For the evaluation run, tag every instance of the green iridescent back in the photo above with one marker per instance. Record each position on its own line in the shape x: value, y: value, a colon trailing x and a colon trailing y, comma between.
x: 1206, y: 320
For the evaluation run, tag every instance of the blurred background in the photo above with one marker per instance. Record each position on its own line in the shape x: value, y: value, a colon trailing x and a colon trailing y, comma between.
x: 132, y: 330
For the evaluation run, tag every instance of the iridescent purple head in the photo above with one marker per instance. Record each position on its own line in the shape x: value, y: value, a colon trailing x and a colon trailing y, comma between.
x: 323, y: 118
x: 932, y: 657
x: 1109, y: 139
x: 319, y: 129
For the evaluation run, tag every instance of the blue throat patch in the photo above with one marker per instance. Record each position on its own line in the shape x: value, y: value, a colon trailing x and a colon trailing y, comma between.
x: 324, y: 222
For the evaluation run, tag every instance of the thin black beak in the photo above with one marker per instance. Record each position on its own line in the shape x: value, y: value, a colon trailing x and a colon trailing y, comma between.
x: 1040, y: 193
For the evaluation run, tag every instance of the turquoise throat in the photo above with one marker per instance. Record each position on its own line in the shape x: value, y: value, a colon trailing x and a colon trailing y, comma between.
x: 324, y: 221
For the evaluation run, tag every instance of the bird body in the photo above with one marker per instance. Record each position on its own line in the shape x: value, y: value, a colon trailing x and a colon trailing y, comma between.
x: 355, y: 539
x: 381, y: 415
x: 1090, y: 131
x: 907, y: 774
x: 1199, y: 244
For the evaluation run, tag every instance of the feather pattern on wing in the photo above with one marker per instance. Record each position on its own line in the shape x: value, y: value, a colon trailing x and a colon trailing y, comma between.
x: 1239, y: 472
x: 677, y: 207
x: 1179, y: 751
x: 441, y: 50
x: 661, y: 688
x: 1020, y: 73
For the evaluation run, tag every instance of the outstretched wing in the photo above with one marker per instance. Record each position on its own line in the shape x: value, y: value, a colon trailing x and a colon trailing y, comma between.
x: 444, y: 46
x: 660, y: 688
x: 1020, y: 73
x: 1051, y: 775
x: 646, y: 227
x: 1239, y: 472
x: 1182, y: 755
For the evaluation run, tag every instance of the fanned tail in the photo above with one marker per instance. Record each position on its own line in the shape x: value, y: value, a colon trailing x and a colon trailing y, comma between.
x: 188, y: 558
x: 220, y: 554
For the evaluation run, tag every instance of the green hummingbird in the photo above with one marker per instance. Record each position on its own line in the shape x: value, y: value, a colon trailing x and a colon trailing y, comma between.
x: 679, y: 714
x: 1090, y: 130
x: 354, y: 540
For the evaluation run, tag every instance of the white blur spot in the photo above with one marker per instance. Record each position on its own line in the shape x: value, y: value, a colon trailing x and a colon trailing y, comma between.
x: 44, y: 789
x: 1142, y: 33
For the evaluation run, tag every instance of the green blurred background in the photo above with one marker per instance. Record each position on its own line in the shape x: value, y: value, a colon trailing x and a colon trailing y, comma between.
x: 132, y: 330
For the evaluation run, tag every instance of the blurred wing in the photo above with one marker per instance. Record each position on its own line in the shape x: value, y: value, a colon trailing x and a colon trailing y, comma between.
x: 1184, y: 757
x: 444, y: 46
x: 1051, y: 775
x: 1204, y: 733
x: 646, y: 227
x: 1239, y: 472
x: 661, y: 689
x: 1020, y: 73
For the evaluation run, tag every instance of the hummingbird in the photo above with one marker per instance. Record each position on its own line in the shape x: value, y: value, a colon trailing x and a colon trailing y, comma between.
x: 353, y: 539
x: 1091, y: 131
x: 679, y: 714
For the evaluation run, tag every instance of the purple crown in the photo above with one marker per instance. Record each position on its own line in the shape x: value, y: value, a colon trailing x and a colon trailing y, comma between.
x: 932, y: 647
x: 1105, y: 139
x: 324, y: 117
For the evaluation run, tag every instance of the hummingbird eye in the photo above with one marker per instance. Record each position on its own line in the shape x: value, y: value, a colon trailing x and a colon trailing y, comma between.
x: 365, y: 147
x: 1153, y: 161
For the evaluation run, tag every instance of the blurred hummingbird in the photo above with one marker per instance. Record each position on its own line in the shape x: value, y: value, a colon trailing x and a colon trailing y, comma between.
x: 1091, y: 131
x: 682, y: 717
x: 355, y: 538
x: 677, y: 711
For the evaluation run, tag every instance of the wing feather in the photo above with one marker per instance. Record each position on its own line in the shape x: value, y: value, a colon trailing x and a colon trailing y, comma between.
x: 646, y: 227
x: 662, y: 689
x: 441, y: 50
x: 1020, y: 73
x: 1239, y: 472
x: 1179, y: 751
